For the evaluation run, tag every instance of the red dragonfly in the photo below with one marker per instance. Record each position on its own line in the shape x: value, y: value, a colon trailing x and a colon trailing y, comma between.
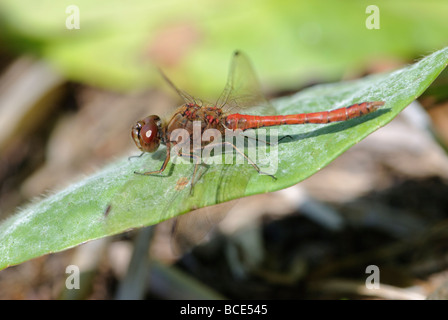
x: 242, y: 91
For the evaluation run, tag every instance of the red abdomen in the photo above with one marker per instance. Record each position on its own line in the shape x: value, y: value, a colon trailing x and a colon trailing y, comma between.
x: 244, y: 122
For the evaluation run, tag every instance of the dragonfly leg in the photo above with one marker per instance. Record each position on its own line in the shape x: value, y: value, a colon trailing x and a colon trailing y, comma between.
x: 256, y: 139
x: 252, y: 163
x: 164, y: 164
x: 197, y: 161
x: 269, y: 143
x: 129, y: 158
x: 284, y: 137
x: 264, y: 141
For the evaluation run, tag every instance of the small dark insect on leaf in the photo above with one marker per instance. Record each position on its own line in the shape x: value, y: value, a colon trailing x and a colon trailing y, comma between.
x: 107, y: 211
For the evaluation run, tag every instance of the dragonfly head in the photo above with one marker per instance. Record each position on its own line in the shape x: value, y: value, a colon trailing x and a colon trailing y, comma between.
x: 146, y: 133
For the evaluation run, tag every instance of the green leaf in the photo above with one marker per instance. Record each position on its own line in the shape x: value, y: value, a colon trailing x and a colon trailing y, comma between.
x: 115, y: 199
x: 118, y: 45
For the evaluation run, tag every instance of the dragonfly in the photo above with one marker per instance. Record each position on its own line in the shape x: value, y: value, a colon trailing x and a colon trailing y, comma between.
x: 233, y: 111
x: 241, y: 93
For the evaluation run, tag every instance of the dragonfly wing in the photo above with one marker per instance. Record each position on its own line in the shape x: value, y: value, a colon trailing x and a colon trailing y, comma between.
x: 192, y: 228
x: 243, y: 90
x: 185, y: 96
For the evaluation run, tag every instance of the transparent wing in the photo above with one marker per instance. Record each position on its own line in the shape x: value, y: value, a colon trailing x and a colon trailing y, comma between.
x: 185, y: 96
x: 242, y: 92
x: 193, y: 228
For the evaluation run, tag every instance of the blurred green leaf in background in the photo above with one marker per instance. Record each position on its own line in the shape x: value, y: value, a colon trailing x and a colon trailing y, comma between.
x: 119, y: 44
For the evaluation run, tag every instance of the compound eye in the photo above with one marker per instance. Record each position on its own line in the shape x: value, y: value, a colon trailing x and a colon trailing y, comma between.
x: 148, y: 132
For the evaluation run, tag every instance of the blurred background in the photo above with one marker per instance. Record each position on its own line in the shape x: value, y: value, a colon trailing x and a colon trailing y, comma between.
x: 75, y: 76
